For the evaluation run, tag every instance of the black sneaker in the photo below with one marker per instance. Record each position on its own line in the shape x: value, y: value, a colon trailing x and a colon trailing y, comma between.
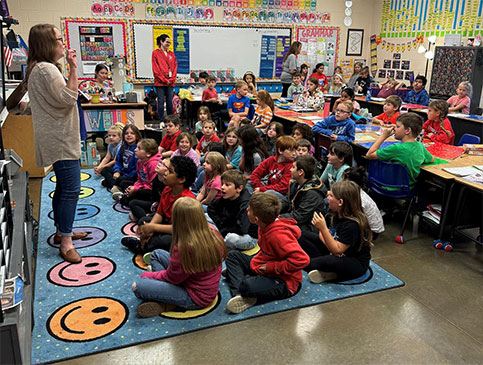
x: 132, y: 243
x: 104, y: 183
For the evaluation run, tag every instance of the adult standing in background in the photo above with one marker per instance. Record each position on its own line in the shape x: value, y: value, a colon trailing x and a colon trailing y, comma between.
x: 289, y: 66
x: 56, y: 127
x: 164, y: 70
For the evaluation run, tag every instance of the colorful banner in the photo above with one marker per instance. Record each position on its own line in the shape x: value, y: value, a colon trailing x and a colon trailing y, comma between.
x: 181, y: 49
x: 283, y: 44
x: 408, y: 18
x: 267, y: 56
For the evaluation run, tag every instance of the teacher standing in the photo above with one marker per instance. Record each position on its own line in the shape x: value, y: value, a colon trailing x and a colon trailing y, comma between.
x: 164, y: 70
x: 289, y: 66
x: 56, y: 127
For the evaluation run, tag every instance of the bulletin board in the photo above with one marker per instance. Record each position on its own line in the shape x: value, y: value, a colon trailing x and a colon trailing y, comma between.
x: 95, y: 40
x: 319, y: 45
x: 201, y: 46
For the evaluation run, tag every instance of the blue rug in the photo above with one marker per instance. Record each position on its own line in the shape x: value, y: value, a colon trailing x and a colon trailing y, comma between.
x: 91, y: 308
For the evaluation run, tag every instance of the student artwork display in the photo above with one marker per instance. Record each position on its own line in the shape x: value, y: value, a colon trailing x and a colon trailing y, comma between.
x: 112, y: 8
x: 271, y: 16
x: 319, y: 45
x: 402, y: 18
x: 400, y: 47
x: 171, y: 12
x: 240, y: 4
x: 347, y: 67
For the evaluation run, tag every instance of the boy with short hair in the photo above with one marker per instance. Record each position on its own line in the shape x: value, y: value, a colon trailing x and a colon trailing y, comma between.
x: 303, y: 147
x: 238, y: 104
x: 168, y: 143
x: 275, y: 272
x: 209, y: 94
x: 276, y: 168
x: 410, y: 153
x: 209, y: 135
x: 391, y: 111
x: 296, y: 86
x: 158, y: 232
x: 339, y: 159
x: 229, y: 213
x: 339, y: 127
x: 418, y: 95
x: 197, y: 90
x: 306, y: 193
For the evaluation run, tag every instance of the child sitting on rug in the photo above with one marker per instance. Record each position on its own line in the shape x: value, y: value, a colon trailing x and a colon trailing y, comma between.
x: 148, y: 157
x: 341, y: 249
x: 114, y: 137
x: 124, y: 172
x: 158, y: 232
x: 189, y: 275
x: 275, y: 272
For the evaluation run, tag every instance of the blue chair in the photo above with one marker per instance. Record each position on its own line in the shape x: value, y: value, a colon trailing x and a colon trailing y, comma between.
x: 392, y: 181
x: 251, y: 112
x: 469, y: 138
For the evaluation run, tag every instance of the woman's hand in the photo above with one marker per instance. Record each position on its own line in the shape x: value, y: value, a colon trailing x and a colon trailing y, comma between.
x: 71, y: 58
x: 318, y: 221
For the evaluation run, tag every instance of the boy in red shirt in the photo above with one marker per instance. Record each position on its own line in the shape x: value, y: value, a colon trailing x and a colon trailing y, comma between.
x: 209, y: 94
x: 276, y: 271
x: 158, y: 232
x: 276, y: 168
x: 168, y: 143
x: 391, y: 111
x: 209, y: 135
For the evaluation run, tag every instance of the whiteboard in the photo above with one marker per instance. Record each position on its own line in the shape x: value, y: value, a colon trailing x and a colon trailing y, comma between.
x: 210, y: 47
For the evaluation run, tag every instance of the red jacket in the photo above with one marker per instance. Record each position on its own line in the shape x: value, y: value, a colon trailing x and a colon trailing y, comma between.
x: 146, y: 172
x: 202, y: 287
x: 162, y: 66
x: 431, y: 126
x: 281, y: 253
x: 278, y: 175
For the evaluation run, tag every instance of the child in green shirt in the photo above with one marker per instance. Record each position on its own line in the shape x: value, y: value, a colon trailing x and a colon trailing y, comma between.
x: 409, y: 153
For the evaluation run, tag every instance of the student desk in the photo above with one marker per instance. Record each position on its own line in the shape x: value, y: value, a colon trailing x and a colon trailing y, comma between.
x: 374, y: 107
x: 460, y: 124
x: 99, y: 117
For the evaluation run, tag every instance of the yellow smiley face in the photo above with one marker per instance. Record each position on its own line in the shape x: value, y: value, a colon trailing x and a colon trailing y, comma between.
x: 87, y: 319
x: 192, y: 313
x: 85, y: 192
x: 83, y: 176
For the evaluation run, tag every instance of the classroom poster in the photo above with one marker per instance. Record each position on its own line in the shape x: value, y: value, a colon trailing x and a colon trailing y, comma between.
x: 283, y: 44
x: 182, y: 49
x: 157, y: 31
x: 96, y: 44
x: 267, y: 56
x: 319, y: 45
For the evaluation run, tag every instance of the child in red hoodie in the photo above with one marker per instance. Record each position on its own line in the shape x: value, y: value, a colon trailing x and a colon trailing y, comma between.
x: 276, y: 271
x: 276, y: 168
x: 438, y: 127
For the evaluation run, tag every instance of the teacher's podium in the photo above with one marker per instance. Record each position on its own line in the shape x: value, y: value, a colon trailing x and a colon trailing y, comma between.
x: 99, y: 117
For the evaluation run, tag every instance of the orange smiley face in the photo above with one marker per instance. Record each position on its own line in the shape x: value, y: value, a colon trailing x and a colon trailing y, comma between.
x: 87, y: 319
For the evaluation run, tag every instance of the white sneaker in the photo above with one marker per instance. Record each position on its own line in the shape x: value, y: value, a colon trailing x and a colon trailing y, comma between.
x: 115, y: 189
x: 117, y: 195
x: 238, y: 304
x: 316, y: 276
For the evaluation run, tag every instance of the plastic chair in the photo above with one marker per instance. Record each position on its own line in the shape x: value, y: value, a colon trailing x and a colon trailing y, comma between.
x: 392, y: 181
x: 469, y: 138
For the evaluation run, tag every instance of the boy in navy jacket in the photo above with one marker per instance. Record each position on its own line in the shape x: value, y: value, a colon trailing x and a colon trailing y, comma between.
x: 338, y: 127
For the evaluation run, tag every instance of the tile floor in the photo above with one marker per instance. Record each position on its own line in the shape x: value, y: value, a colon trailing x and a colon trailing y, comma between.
x: 437, y: 317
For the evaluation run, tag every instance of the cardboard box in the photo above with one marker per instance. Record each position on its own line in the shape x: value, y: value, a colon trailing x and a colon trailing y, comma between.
x: 93, y: 157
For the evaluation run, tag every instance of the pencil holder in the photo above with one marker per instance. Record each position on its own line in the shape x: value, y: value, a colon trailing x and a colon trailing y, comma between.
x: 96, y: 98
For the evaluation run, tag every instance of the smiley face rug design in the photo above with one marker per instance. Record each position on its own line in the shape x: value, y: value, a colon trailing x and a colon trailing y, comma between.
x: 83, y: 211
x: 87, y: 319
x: 85, y: 192
x: 118, y: 207
x: 193, y: 313
x: 83, y: 176
x: 94, y: 236
x: 129, y: 229
x: 91, y: 270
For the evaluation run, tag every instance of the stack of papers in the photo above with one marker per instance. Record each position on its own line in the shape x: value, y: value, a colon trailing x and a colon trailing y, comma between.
x: 462, y: 171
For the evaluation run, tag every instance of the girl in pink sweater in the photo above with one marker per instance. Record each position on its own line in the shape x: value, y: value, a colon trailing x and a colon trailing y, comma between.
x: 189, y: 275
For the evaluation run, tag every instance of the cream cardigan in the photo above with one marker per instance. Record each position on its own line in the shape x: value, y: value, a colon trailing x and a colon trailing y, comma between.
x: 55, y: 115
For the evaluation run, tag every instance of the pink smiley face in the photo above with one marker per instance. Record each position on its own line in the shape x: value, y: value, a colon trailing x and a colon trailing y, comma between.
x: 91, y: 270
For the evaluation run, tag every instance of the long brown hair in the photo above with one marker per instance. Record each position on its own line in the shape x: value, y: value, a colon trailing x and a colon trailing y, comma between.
x: 293, y: 48
x: 42, y: 47
x: 351, y: 208
x: 266, y: 98
x: 200, y: 249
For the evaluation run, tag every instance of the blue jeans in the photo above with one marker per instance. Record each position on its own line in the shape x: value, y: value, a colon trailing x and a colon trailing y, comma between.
x: 67, y: 189
x: 198, y: 184
x: 162, y: 291
x: 276, y: 193
x: 244, y: 242
x: 164, y: 92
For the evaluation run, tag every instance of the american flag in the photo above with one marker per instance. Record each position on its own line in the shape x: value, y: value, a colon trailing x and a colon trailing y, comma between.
x: 8, y: 54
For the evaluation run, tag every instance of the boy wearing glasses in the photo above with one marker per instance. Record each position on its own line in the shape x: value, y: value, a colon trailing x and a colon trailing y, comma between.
x: 339, y: 127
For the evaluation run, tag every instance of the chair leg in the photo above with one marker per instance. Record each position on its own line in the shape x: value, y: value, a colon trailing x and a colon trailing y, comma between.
x: 407, y: 215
